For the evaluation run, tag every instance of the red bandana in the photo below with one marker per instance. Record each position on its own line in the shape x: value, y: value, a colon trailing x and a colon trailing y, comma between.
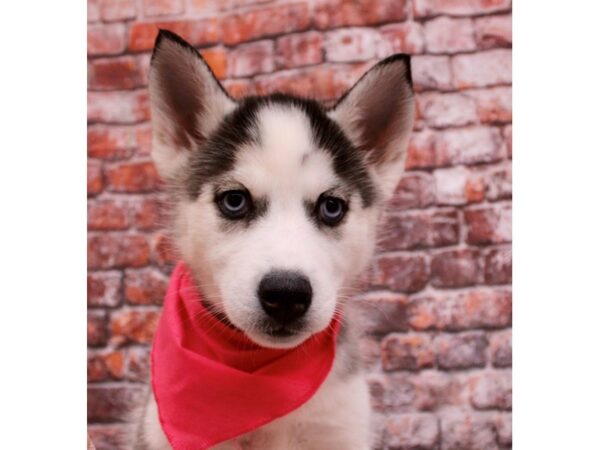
x: 212, y: 384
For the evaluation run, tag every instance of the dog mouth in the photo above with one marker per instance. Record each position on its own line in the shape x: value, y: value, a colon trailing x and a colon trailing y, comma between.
x: 281, y: 332
x: 277, y: 329
x: 277, y: 335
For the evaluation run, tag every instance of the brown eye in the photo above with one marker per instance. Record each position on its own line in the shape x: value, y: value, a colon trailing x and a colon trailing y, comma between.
x: 331, y: 210
x: 234, y: 204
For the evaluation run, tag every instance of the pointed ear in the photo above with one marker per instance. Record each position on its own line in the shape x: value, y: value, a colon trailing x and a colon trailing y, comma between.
x: 377, y: 113
x: 187, y: 101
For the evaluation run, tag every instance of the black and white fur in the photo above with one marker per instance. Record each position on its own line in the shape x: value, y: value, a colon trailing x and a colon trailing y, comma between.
x: 286, y: 153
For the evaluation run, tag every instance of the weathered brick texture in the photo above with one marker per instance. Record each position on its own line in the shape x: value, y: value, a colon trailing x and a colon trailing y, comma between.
x: 437, y: 306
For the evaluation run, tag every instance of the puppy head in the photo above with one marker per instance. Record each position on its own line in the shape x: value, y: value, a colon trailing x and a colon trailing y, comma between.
x: 276, y: 199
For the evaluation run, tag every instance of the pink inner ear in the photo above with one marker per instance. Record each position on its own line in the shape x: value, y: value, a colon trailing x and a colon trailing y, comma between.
x: 177, y: 87
x: 385, y: 100
x: 382, y: 114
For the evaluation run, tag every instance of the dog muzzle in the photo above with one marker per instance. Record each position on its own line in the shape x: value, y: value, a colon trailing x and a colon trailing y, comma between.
x: 213, y: 384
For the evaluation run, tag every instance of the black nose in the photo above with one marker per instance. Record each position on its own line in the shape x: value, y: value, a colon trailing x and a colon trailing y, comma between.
x: 284, y: 295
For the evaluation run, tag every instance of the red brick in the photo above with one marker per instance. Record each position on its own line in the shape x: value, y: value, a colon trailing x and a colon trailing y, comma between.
x: 383, y: 313
x: 95, y: 182
x: 422, y: 151
x: 408, y: 231
x: 114, y: 10
x: 298, y: 50
x: 415, y: 190
x: 162, y: 7
x: 456, y: 268
x: 107, y: 251
x: 491, y: 390
x: 401, y: 38
x: 468, y: 431
x: 239, y: 88
x: 503, y: 425
x: 439, y: 390
x: 469, y: 145
x: 93, y: 11
x: 112, y: 403
x: 118, y: 107
x: 501, y: 348
x: 250, y: 59
x: 427, y: 8
x: 419, y: 230
x: 147, y: 213
x: 268, y: 21
x: 108, y: 437
x: 384, y: 398
x: 202, y: 8
x: 498, y: 266
x: 480, y: 308
x: 138, y: 363
x: 351, y: 44
x: 338, y: 13
x: 493, y: 105
x: 133, y: 326
x: 401, y: 273
x: 114, y: 73
x: 407, y: 352
x: 487, y: 68
x: 107, y: 215
x: 97, y: 333
x: 446, y: 35
x: 143, y: 138
x: 431, y: 72
x: 461, y: 351
x: 320, y: 82
x: 345, y: 76
x: 197, y: 32
x: 163, y: 252
x: 105, y: 366
x: 458, y: 186
x: 107, y: 39
x: 391, y: 395
x: 507, y: 133
x: 111, y: 143
x: 103, y: 288
x: 499, y: 184
x: 216, y: 57
x: 143, y: 61
x: 145, y: 286
x: 493, y: 31
x: 412, y: 431
x: 133, y: 177
x: 475, y: 188
x: 447, y: 110
x: 489, y: 225
x: 422, y: 391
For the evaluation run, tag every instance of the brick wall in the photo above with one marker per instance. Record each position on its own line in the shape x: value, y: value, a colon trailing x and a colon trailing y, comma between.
x: 439, y: 298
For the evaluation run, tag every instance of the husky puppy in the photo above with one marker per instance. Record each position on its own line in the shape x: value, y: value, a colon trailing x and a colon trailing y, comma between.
x: 279, y: 189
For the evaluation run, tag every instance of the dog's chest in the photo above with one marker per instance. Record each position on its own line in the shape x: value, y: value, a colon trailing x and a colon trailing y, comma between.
x: 337, y: 415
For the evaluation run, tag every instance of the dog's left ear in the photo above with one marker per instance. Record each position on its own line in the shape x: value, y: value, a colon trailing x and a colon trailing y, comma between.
x: 378, y: 113
x: 187, y: 102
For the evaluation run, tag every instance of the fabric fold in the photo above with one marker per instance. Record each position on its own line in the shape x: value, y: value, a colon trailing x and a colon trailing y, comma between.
x: 212, y: 383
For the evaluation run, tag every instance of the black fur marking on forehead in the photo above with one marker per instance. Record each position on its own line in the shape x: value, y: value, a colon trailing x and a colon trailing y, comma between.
x: 217, y: 155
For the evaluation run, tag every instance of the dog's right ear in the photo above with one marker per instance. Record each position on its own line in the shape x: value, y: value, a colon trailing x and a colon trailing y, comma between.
x: 187, y: 102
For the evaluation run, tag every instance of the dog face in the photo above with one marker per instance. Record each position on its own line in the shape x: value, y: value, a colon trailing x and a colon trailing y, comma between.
x: 276, y: 199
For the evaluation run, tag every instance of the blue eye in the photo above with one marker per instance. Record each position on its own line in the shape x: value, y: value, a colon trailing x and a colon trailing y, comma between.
x: 331, y: 210
x: 234, y: 204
